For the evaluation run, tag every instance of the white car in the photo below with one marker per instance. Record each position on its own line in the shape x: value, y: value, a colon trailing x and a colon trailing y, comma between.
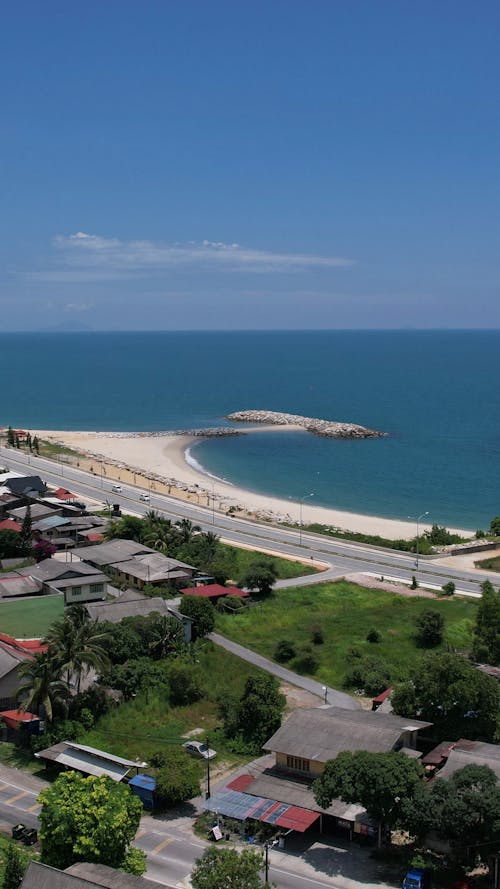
x: 144, y: 498
x: 116, y: 488
x: 196, y: 748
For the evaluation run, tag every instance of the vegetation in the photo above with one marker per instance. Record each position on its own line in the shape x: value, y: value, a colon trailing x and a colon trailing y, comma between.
x: 252, y: 719
x: 90, y: 819
x: 446, y: 690
x: 346, y: 613
x: 13, y: 863
x: 177, y: 776
x: 437, y: 536
x: 228, y: 868
x: 388, y: 785
x: 492, y: 564
x: 465, y: 810
x: 260, y: 575
x: 448, y: 588
x: 486, y: 646
x: 495, y: 526
x: 201, y: 612
x: 430, y: 628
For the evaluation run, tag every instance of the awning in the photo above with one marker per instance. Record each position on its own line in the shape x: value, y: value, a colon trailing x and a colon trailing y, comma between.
x: 239, y: 805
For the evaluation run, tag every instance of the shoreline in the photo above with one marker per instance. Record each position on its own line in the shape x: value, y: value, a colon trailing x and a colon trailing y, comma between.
x: 164, y: 463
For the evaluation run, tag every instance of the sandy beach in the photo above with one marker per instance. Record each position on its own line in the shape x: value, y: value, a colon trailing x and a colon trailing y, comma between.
x: 159, y: 461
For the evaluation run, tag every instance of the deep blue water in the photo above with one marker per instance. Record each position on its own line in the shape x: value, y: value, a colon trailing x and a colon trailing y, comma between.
x: 435, y: 392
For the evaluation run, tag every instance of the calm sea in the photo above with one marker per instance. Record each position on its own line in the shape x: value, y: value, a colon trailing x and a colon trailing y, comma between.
x: 435, y: 392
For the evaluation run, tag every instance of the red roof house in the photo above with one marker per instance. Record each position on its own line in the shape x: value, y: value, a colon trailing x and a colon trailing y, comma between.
x: 63, y: 494
x: 10, y: 525
x: 24, y: 647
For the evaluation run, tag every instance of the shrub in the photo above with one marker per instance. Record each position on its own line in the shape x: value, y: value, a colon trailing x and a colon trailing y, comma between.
x: 284, y: 651
x: 317, y: 637
x: 414, y: 583
x: 430, y: 628
x: 448, y: 588
x: 186, y: 683
x: 306, y: 661
x: 373, y: 636
x: 370, y: 674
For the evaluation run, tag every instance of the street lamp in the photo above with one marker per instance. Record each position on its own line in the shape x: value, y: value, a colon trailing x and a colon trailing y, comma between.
x: 419, y: 519
x: 301, y: 502
x: 267, y: 844
x: 324, y: 689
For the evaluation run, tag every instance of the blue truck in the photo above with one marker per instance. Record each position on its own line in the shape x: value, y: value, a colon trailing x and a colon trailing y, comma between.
x: 416, y: 878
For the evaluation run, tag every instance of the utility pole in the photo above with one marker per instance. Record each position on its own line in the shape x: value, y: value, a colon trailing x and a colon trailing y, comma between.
x: 207, y: 795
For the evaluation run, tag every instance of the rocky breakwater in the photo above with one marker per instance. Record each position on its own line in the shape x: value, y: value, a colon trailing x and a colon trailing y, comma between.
x: 325, y: 428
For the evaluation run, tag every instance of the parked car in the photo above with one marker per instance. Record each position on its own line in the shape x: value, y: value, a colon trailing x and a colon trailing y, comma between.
x: 196, y: 748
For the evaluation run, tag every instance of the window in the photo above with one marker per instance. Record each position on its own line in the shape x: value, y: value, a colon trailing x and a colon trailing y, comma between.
x: 76, y: 591
x: 298, y: 764
x: 96, y: 587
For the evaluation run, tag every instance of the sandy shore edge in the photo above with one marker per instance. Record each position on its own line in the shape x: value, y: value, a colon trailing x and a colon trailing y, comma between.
x: 159, y: 461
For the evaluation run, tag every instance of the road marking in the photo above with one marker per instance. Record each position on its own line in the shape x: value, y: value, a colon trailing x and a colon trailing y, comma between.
x: 162, y: 845
x: 15, y: 798
x: 36, y: 808
x: 4, y: 787
x: 140, y: 833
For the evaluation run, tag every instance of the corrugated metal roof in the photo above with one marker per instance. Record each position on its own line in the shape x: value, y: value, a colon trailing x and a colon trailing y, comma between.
x: 242, y: 806
x: 89, y: 760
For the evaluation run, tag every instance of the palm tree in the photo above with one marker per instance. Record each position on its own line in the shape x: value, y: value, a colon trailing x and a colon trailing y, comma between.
x: 42, y: 685
x: 77, y: 644
x: 187, y: 530
x: 166, y: 636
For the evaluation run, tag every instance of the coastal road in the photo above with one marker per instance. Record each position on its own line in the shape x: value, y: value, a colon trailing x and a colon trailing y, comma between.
x: 344, y: 557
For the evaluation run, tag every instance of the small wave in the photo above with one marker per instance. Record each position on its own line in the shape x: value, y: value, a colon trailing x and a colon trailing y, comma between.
x: 193, y: 462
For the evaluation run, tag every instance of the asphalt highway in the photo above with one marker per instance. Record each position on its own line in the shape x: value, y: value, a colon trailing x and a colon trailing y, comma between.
x: 343, y: 557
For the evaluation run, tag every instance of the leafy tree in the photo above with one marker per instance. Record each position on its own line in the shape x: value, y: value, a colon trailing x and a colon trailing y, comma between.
x: 306, y: 660
x: 135, y: 676
x: 124, y: 643
x: 166, y: 635
x: 260, y: 575
x: 186, y: 683
x: 41, y: 686
x: 228, y: 869
x: 258, y: 713
x: 36, y: 445
x: 465, y: 809
x: 430, y: 628
x: 89, y: 819
x: 28, y: 441
x: 368, y: 673
x: 43, y: 549
x: 187, y: 530
x: 448, y: 588
x: 284, y: 651
x: 414, y: 583
x: 177, y: 775
x: 128, y: 528
x: 11, y: 440
x: 486, y: 645
x: 440, y: 536
x: 388, y: 785
x: 26, y: 534
x: 494, y: 525
x: 10, y: 545
x: 201, y: 612
x: 15, y: 866
x: 446, y: 690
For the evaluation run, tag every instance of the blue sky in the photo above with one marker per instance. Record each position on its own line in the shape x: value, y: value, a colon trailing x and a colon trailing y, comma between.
x: 243, y: 165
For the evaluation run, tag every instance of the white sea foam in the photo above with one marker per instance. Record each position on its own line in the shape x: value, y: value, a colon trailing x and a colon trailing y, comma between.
x: 195, y: 464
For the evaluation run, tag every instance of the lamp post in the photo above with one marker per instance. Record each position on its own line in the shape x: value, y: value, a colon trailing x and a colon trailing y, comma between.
x: 207, y: 795
x: 419, y: 519
x: 267, y: 844
x: 324, y: 689
x: 301, y: 503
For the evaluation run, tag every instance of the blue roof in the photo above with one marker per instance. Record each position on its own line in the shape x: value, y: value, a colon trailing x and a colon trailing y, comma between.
x: 144, y: 781
x: 53, y: 521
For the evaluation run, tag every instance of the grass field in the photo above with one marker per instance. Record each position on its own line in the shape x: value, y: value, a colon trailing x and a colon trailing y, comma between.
x: 489, y: 564
x: 30, y: 618
x: 239, y: 561
x: 147, y: 723
x: 345, y: 613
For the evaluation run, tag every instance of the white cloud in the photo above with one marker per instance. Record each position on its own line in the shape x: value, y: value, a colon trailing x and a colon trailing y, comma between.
x: 82, y: 250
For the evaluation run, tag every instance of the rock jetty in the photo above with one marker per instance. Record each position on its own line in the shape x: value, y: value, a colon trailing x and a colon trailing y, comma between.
x: 325, y: 428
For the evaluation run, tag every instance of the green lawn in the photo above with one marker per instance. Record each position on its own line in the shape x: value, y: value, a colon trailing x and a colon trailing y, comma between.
x: 145, y: 724
x: 345, y: 613
x: 239, y: 560
x: 489, y: 564
x: 30, y: 618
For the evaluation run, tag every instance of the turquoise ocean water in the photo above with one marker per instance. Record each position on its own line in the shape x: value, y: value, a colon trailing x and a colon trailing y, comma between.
x: 435, y: 392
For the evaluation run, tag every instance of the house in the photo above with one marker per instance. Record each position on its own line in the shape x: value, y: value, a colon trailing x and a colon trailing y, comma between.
x: 84, y: 875
x: 282, y: 785
x: 15, y: 585
x: 450, y: 756
x: 26, y: 485
x: 131, y: 603
x: 10, y: 525
x: 12, y: 656
x: 78, y: 581
x: 37, y: 510
x: 153, y: 569
x: 111, y: 552
x: 214, y: 592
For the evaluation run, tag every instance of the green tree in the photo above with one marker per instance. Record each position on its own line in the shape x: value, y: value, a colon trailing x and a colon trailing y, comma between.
x: 166, y: 635
x: 494, y: 524
x: 26, y: 534
x: 41, y: 686
x: 11, y: 439
x: 135, y: 676
x: 430, y: 628
x: 448, y: 588
x: 10, y: 545
x: 36, y: 445
x: 89, y: 819
x: 465, y: 810
x: 187, y: 530
x: 177, y: 776
x: 446, y: 690
x: 388, y: 785
x: 260, y: 575
x: 258, y: 713
x: 201, y: 612
x: 228, y: 869
x: 15, y: 866
x: 486, y: 645
x: 127, y: 528
x: 284, y: 651
x: 77, y: 644
x: 185, y: 682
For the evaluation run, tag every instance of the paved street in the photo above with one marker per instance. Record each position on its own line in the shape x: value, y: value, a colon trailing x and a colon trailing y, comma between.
x: 343, y: 557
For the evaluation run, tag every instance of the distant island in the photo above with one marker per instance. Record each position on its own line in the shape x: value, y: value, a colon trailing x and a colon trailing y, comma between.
x: 325, y: 428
